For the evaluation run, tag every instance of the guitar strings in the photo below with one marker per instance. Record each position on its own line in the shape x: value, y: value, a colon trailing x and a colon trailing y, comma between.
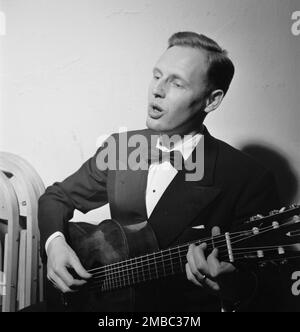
x: 165, y: 250
x: 184, y: 244
x: 120, y: 281
x: 134, y: 265
x: 114, y: 276
x: 235, y: 250
x: 147, y: 259
x: 239, y: 233
x: 135, y: 273
x: 239, y: 253
x: 213, y: 239
x: 132, y: 261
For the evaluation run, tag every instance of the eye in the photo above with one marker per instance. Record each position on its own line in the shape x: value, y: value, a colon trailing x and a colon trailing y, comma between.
x: 177, y: 84
x: 156, y: 76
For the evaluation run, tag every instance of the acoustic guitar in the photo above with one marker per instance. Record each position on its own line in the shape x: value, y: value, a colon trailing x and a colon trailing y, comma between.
x: 120, y: 257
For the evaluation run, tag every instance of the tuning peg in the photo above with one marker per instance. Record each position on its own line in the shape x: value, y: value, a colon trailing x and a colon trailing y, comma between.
x: 293, y: 206
x: 296, y: 219
x: 256, y: 217
x: 260, y: 254
x: 271, y: 213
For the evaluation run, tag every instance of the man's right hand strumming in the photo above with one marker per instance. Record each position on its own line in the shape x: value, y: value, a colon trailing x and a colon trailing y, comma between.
x: 62, y: 257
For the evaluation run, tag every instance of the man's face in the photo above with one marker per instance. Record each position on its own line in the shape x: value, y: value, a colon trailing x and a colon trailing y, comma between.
x: 176, y: 90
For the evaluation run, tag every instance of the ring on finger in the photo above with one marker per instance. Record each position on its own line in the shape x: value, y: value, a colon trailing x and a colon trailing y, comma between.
x: 203, y: 277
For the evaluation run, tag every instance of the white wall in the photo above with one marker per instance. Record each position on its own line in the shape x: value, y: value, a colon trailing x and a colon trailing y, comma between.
x: 75, y: 69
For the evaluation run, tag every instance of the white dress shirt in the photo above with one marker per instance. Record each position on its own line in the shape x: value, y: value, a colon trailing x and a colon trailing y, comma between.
x: 161, y: 174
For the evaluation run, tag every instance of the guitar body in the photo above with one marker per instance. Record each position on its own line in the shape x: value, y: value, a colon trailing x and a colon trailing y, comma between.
x: 101, y: 245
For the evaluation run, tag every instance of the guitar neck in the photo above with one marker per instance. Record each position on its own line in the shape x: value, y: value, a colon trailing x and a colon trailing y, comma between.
x: 152, y: 266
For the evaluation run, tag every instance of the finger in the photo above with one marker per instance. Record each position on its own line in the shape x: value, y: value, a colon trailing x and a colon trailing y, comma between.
x: 206, y: 281
x: 191, y: 255
x: 80, y: 270
x: 191, y: 276
x: 59, y: 283
x: 67, y: 278
x: 200, y: 259
x: 212, y: 284
x: 213, y: 263
x: 215, y: 231
x: 216, y: 267
x: 212, y: 259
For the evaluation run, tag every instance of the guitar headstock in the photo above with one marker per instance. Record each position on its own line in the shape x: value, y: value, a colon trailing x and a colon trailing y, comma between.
x: 275, y: 237
x: 275, y: 215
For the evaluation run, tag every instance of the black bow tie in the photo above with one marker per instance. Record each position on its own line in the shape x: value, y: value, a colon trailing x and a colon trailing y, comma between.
x: 174, y: 157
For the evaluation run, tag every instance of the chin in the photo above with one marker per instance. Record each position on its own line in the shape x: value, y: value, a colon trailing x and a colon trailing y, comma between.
x: 155, y: 125
x: 152, y: 124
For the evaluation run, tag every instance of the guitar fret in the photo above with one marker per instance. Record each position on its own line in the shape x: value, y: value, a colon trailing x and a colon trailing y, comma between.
x: 180, y: 260
x: 108, y: 278
x: 123, y: 275
x: 127, y: 272
x: 137, y: 268
x: 115, y: 278
x: 172, y: 268
x: 148, y: 265
x: 112, y: 279
x: 132, y: 272
x: 163, y: 264
x: 118, y: 278
x: 156, y: 271
x: 142, y: 266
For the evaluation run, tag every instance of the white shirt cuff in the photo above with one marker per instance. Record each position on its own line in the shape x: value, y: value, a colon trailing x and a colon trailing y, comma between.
x: 51, y: 237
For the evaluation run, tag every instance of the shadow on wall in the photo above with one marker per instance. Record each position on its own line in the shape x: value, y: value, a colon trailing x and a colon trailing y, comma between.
x: 286, y: 179
x: 287, y: 183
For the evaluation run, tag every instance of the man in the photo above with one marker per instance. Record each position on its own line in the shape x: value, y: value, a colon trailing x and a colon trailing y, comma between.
x: 189, y: 81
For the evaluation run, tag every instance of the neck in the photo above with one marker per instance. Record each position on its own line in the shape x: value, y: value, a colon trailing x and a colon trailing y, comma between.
x: 175, y: 136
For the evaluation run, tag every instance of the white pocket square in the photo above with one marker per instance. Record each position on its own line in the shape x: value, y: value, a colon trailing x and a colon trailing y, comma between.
x: 199, y: 227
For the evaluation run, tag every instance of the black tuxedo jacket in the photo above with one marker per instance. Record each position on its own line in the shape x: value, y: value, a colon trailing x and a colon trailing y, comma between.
x: 233, y: 188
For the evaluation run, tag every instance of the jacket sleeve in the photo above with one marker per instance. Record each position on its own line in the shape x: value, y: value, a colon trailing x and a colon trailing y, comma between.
x: 84, y: 190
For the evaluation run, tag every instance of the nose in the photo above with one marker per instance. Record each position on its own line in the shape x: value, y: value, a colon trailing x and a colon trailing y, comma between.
x: 159, y: 89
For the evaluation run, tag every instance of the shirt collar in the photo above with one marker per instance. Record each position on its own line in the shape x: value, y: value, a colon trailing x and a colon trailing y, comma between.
x: 186, y: 145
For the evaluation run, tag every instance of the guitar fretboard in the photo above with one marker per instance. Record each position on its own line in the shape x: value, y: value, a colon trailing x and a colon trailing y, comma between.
x: 152, y: 266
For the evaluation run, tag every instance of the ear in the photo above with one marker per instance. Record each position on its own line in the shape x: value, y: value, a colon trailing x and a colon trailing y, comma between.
x: 213, y: 100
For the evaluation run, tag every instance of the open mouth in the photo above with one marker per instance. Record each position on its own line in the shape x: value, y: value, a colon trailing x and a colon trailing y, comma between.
x: 156, y: 108
x: 155, y: 111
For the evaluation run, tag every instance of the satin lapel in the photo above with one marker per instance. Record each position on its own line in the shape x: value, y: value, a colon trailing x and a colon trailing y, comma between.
x: 184, y: 200
x: 130, y: 188
x: 129, y: 192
